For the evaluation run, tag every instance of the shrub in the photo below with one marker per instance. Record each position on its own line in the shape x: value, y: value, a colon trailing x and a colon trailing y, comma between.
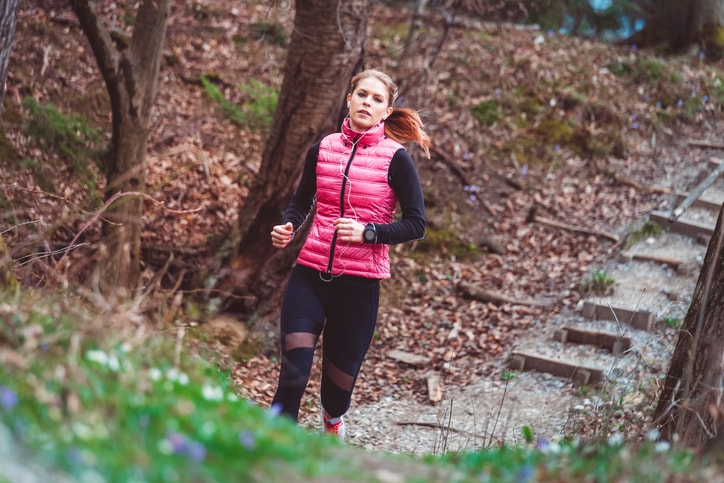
x: 68, y: 136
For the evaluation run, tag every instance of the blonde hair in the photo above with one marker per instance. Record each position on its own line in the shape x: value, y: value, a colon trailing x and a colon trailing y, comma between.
x: 403, y: 124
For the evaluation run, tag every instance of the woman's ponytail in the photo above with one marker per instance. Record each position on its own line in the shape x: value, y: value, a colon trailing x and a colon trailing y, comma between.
x: 404, y: 125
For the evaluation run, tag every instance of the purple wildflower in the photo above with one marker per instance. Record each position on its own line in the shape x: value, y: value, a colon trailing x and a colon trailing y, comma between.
x: 8, y: 398
x: 182, y: 445
x: 275, y: 410
x: 196, y: 451
x: 246, y: 438
x: 178, y: 442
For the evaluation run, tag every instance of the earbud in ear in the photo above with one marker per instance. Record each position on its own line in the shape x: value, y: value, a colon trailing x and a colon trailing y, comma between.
x: 348, y: 104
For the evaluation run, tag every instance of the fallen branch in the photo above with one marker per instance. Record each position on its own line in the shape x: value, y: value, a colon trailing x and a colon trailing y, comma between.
x: 441, y: 427
x: 671, y: 262
x: 628, y: 181
x: 705, y: 144
x: 452, y: 165
x: 532, y: 217
x: 483, y: 295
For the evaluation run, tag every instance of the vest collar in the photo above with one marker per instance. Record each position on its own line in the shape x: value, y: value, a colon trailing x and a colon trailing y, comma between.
x: 372, y: 136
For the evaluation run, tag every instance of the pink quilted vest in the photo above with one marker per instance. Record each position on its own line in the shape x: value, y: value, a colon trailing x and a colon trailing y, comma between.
x: 351, y: 182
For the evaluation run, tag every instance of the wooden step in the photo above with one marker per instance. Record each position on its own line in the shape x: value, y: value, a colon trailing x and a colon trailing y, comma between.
x: 614, y: 343
x: 700, y: 203
x: 687, y: 228
x: 638, y: 319
x: 529, y: 362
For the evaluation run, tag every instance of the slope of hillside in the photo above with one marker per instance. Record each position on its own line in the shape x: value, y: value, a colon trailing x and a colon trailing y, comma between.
x: 523, y: 122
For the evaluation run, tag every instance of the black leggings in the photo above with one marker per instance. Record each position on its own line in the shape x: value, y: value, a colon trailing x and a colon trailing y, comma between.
x: 349, y: 306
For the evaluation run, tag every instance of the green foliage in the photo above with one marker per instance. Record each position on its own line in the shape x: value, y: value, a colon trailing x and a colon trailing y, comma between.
x: 124, y: 404
x: 667, y: 95
x: 556, y: 131
x: 256, y: 114
x: 526, y: 101
x: 672, y: 321
x: 487, y: 112
x: 129, y: 408
x: 272, y: 33
x: 441, y: 241
x: 643, y: 231
x: 70, y: 137
x: 717, y: 89
x: 648, y: 70
x: 8, y: 152
x: 712, y: 38
x: 264, y: 102
x: 598, y: 283
x: 527, y: 433
x: 572, y: 460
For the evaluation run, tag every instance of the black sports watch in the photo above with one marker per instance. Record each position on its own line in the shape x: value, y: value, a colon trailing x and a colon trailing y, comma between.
x: 369, y: 235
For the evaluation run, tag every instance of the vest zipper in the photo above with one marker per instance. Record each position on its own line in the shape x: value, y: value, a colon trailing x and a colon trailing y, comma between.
x: 341, y: 208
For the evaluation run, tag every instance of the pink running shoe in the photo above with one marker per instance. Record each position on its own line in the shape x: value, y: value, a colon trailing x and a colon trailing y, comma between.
x: 334, y: 426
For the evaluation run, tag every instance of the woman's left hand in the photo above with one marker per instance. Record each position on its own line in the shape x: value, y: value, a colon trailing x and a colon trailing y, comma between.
x: 349, y: 230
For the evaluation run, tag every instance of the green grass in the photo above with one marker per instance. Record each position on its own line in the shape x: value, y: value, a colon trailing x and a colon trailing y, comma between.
x: 256, y: 113
x: 119, y: 402
x: 643, y: 231
x: 69, y: 135
x: 598, y: 283
x: 100, y: 397
x: 672, y: 321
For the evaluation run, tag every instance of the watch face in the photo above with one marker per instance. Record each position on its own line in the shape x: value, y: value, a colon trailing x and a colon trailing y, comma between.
x: 369, y: 234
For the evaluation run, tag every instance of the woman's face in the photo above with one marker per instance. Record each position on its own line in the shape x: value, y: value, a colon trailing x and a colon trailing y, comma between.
x: 368, y: 103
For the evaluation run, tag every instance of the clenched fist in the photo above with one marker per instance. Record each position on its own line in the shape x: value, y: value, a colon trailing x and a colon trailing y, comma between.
x: 281, y: 235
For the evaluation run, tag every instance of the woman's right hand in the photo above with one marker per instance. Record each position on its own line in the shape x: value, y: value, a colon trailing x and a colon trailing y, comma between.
x: 281, y: 235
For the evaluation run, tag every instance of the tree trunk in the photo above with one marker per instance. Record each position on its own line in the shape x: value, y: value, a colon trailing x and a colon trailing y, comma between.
x: 676, y: 25
x: 8, y: 20
x: 690, y: 402
x: 326, y: 49
x: 131, y: 77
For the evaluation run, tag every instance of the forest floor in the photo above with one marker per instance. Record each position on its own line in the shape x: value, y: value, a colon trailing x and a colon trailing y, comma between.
x: 523, y: 122
x: 495, y: 403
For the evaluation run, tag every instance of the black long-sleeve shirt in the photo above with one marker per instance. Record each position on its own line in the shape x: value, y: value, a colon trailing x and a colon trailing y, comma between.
x: 402, y: 178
